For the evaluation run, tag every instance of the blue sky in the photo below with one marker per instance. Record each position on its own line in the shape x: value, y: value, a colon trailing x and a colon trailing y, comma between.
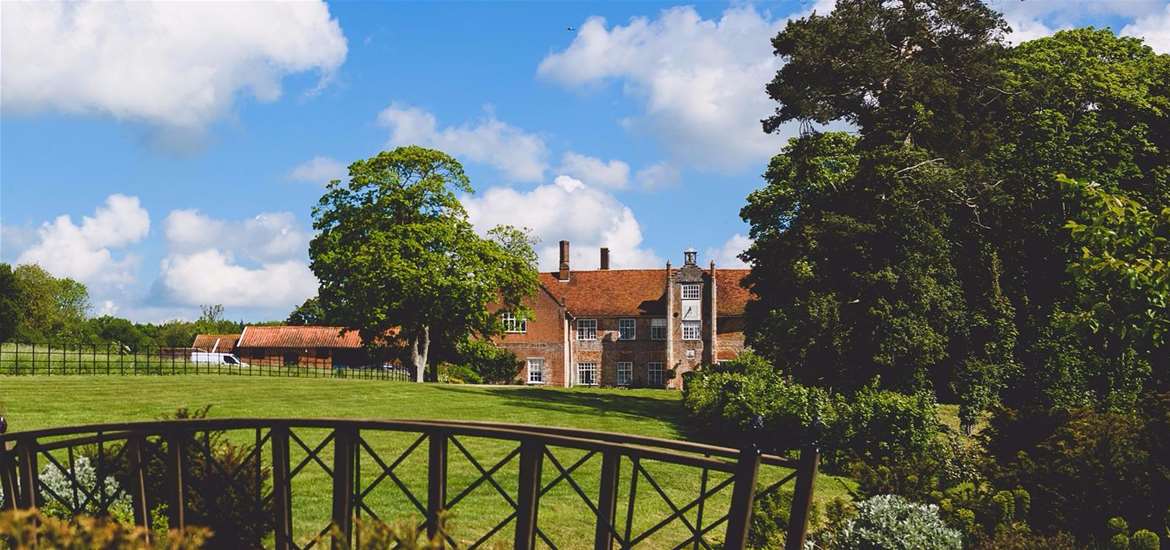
x: 169, y: 155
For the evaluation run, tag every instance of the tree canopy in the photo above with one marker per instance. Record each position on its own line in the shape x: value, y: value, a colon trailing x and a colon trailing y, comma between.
x: 931, y: 249
x: 398, y: 260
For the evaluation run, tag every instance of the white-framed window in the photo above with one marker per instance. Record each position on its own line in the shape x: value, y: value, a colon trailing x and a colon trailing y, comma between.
x: 586, y: 374
x: 654, y: 374
x: 536, y: 370
x: 625, y: 373
x: 627, y: 329
x: 658, y: 329
x: 586, y: 329
x: 513, y: 324
x: 691, y: 292
x: 692, y: 330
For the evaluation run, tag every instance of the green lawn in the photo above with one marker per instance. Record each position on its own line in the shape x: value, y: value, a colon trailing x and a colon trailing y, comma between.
x: 32, y: 402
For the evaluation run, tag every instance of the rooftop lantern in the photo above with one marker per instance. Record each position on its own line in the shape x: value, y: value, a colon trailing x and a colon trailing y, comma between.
x: 689, y: 254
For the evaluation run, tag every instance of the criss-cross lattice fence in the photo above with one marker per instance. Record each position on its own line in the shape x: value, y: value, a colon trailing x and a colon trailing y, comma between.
x: 523, y: 486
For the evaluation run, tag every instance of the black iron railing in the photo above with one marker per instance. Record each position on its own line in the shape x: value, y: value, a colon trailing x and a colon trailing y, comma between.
x: 115, y: 359
x: 632, y: 491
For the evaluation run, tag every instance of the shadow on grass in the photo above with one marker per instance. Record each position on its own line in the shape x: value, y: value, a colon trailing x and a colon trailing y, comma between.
x: 592, y: 403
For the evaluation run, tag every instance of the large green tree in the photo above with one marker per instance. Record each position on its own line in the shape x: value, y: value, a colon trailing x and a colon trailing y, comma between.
x: 50, y: 309
x: 931, y: 247
x: 399, y: 261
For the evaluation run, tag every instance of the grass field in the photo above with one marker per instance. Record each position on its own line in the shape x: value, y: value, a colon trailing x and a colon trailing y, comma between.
x: 32, y: 402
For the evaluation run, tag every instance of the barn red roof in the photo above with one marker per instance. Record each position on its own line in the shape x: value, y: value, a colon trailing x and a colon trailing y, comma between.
x: 219, y: 343
x: 298, y: 337
x: 732, y: 298
x: 612, y: 292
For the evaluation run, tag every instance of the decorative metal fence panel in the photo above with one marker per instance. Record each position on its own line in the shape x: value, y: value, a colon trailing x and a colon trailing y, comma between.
x: 310, y: 480
x: 113, y: 359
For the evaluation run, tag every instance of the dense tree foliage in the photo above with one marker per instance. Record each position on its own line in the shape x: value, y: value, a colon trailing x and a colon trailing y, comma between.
x: 310, y: 312
x: 43, y: 307
x: 398, y: 259
x: 931, y: 249
x: 996, y: 230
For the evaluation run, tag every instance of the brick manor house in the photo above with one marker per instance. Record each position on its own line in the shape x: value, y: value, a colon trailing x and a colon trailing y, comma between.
x: 627, y: 327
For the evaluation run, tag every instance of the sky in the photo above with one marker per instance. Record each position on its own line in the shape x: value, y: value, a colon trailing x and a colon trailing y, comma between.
x: 169, y: 155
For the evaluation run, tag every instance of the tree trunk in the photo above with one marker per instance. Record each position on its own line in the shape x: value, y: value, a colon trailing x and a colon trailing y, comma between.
x: 418, y: 353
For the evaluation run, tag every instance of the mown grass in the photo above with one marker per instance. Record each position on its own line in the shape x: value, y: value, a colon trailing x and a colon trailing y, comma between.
x: 32, y: 402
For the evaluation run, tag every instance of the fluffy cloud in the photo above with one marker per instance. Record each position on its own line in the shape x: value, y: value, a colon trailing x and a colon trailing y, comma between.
x: 727, y: 255
x: 657, y: 176
x: 319, y: 170
x: 517, y: 154
x: 701, y: 81
x: 213, y: 277
x: 614, y: 174
x: 86, y: 252
x: 1150, y: 19
x: 567, y: 209
x: 267, y: 236
x: 1154, y: 28
x: 178, y: 65
x: 204, y: 264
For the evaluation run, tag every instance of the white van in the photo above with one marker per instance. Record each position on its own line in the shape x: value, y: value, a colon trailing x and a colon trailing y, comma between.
x: 208, y: 358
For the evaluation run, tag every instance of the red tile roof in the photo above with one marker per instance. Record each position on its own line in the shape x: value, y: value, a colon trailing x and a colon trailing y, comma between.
x: 220, y: 343
x: 298, y: 337
x: 732, y: 298
x: 612, y: 292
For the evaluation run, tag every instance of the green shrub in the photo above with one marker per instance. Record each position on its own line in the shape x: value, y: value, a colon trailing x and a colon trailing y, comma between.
x: 458, y: 374
x: 1023, y: 539
x: 493, y: 364
x: 870, y: 425
x: 890, y: 522
x: 770, y: 517
x: 31, y: 529
x: 1119, y: 542
x: 1144, y: 539
x: 1082, y: 467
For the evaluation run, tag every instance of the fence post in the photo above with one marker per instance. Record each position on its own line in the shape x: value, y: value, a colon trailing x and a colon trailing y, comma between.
x: 281, y: 487
x: 607, y: 501
x: 29, y: 492
x: 134, y: 454
x: 7, y: 472
x: 531, y: 459
x: 344, y: 441
x: 175, y: 481
x: 806, y: 474
x: 742, y: 497
x: 436, y: 480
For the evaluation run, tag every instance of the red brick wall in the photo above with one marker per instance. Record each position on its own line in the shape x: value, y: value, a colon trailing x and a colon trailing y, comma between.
x: 544, y: 339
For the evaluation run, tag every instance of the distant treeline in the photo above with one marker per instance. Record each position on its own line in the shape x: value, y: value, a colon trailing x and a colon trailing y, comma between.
x: 38, y: 307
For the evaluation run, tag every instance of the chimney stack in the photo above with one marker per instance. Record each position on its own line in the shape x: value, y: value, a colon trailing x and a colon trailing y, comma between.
x: 563, y: 275
x: 604, y: 258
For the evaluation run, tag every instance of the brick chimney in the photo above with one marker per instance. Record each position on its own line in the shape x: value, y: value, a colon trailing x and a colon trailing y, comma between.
x: 563, y: 275
x: 604, y: 258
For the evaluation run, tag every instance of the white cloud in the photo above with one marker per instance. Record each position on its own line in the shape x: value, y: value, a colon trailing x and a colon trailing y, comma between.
x: 212, y: 277
x: 567, y: 209
x: 657, y: 176
x: 177, y: 65
x: 265, y: 237
x: 614, y: 174
x: 517, y: 154
x: 319, y: 170
x: 1031, y: 20
x: 86, y: 252
x: 727, y: 255
x: 701, y: 81
x: 1154, y: 28
x: 204, y: 264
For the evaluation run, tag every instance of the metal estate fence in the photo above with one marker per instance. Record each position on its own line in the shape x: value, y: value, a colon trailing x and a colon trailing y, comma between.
x: 504, y: 485
x: 113, y: 359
